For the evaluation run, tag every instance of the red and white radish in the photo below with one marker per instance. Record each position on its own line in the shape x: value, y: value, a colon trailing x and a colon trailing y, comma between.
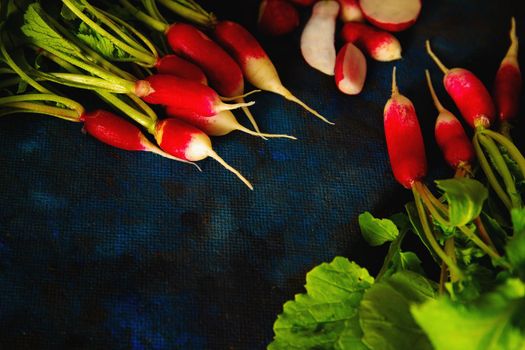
x: 350, y: 11
x: 175, y: 65
x: 404, y: 140
x: 189, y: 143
x: 391, y: 15
x: 254, y: 62
x: 508, y: 82
x: 187, y: 96
x: 378, y: 44
x: 450, y: 134
x: 468, y: 93
x: 350, y: 69
x: 277, y: 17
x: 317, y: 38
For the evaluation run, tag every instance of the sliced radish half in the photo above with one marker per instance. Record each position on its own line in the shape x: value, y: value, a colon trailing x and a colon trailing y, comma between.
x: 391, y: 15
x: 350, y: 69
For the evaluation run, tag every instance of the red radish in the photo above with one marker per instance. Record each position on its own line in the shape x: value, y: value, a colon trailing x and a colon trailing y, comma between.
x: 223, y: 72
x: 378, y: 44
x: 507, y: 85
x: 317, y: 38
x: 303, y: 2
x: 187, y: 96
x: 254, y: 62
x: 173, y: 64
x: 391, y: 15
x: 189, y: 143
x: 277, y: 17
x: 350, y: 69
x: 219, y: 124
x: 468, y: 92
x: 350, y: 11
x: 404, y: 141
x: 450, y: 135
x: 118, y: 132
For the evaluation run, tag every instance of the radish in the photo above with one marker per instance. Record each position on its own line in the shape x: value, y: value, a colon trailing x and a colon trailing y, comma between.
x: 187, y: 96
x: 218, y: 125
x: 173, y: 64
x: 303, y: 2
x: 277, y: 17
x: 508, y: 82
x: 391, y: 15
x: 254, y: 62
x: 378, y: 44
x: 450, y: 135
x: 317, y: 39
x: 189, y: 143
x: 404, y: 141
x: 468, y: 92
x: 350, y: 11
x: 350, y: 69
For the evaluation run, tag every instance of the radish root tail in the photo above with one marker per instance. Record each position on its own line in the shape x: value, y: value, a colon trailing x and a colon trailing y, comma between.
x: 263, y: 135
x: 438, y: 62
x: 290, y: 97
x: 230, y: 106
x: 215, y: 156
x: 395, y: 90
x: 234, y: 98
x: 154, y: 149
x: 437, y: 103
x: 513, y: 49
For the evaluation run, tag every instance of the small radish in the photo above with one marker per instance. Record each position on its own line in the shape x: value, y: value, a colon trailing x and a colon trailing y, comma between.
x: 317, y: 39
x: 468, y: 92
x: 404, y: 141
x: 391, y: 15
x: 173, y: 64
x: 118, y: 132
x: 350, y: 69
x: 189, y: 143
x: 378, y: 44
x: 350, y: 11
x: 303, y: 2
x: 254, y: 62
x: 187, y: 96
x: 508, y: 82
x: 219, y: 124
x: 277, y: 17
x: 450, y: 135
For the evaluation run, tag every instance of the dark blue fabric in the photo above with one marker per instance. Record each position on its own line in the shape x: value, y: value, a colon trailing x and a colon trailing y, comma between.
x: 106, y: 249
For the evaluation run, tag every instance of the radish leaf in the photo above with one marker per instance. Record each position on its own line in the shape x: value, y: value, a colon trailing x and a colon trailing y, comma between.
x: 377, y: 231
x: 101, y: 44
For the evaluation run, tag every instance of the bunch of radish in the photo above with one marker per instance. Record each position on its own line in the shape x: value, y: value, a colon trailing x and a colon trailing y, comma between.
x: 367, y: 27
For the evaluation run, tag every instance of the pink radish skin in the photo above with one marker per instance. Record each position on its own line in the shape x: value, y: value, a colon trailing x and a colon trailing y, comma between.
x: 189, y: 143
x: 350, y: 69
x: 450, y: 135
x: 391, y: 15
x: 173, y: 64
x: 254, y: 62
x: 350, y: 11
x: 404, y: 141
x: 469, y: 94
x: 277, y: 17
x: 118, y: 132
x: 317, y: 38
x: 508, y: 82
x: 187, y: 96
x: 378, y: 44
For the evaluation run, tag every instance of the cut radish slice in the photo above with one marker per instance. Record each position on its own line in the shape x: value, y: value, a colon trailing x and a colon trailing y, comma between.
x: 391, y: 15
x: 350, y: 69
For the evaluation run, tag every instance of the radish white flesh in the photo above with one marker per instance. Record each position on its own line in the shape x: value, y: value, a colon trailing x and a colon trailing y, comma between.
x: 391, y: 15
x: 317, y: 39
x: 350, y: 11
x: 350, y: 69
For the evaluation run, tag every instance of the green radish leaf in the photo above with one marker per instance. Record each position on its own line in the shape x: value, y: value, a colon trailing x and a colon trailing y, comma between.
x: 37, y: 28
x: 101, y: 44
x: 465, y: 198
x: 326, y: 316
x: 515, y: 248
x: 377, y: 231
x: 477, y: 280
x: 384, y: 312
x: 493, y: 321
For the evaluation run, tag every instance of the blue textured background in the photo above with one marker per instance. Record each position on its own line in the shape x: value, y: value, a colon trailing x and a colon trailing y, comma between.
x: 106, y: 249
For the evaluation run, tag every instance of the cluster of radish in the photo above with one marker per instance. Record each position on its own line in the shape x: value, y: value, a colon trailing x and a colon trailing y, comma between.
x: 195, y: 83
x: 480, y: 110
x: 318, y: 41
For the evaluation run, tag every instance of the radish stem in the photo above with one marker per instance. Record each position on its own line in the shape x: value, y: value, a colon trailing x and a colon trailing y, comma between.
x: 435, y: 58
x: 145, y: 18
x: 451, y: 251
x: 194, y: 14
x: 215, y: 156
x: 40, y: 108
x: 511, y: 148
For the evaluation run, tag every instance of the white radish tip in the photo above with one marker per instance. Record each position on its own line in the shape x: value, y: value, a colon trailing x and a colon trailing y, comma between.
x: 215, y: 156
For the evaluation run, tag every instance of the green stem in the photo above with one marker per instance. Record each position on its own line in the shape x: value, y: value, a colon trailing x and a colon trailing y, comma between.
x: 153, y: 10
x: 139, y: 117
x: 502, y: 168
x: 144, y: 18
x: 491, y: 177
x: 430, y: 236
x: 30, y: 107
x: 450, y: 249
x: 477, y: 241
x: 511, y: 148
x: 44, y: 97
x: 191, y: 14
x: 95, y: 83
